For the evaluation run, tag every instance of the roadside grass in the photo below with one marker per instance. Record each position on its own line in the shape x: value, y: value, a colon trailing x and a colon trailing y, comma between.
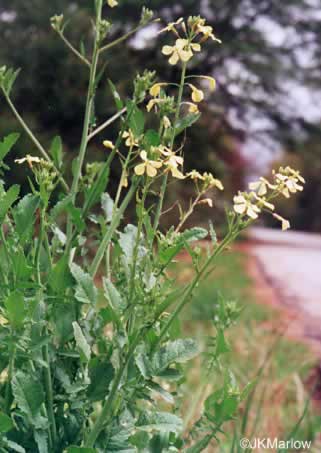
x: 258, y: 350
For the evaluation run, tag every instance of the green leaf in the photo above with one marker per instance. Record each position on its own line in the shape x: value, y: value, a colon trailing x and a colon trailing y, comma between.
x: 60, y: 277
x: 101, y: 375
x: 193, y: 234
x: 159, y: 421
x: 97, y: 188
x: 83, y: 346
x: 10, y: 79
x: 41, y: 438
x: 213, y: 233
x: 29, y: 396
x: 127, y: 241
x: 24, y: 215
x: 86, y: 291
x: 6, y: 424
x: 186, y: 122
x: 107, y: 204
x: 56, y: 151
x: 60, y: 207
x: 7, y: 143
x: 7, y: 201
x: 63, y: 317
x: 73, y: 449
x: 14, y: 446
x: 76, y: 217
x: 20, y: 264
x: 222, y: 346
x: 119, y: 103
x: 151, y: 138
x: 114, y: 297
x: 178, y: 351
x: 136, y: 120
x: 15, y: 307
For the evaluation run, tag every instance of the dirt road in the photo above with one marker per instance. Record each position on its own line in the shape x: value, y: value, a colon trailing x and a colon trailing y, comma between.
x: 290, y: 264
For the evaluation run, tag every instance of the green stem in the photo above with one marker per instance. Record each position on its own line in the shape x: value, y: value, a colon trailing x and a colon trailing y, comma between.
x: 38, y: 249
x: 111, y: 230
x: 165, y: 177
x: 124, y: 37
x: 34, y: 139
x: 228, y: 238
x: 12, y: 353
x: 6, y: 252
x: 107, y: 123
x: 86, y: 125
x: 73, y: 50
x: 49, y: 395
x: 107, y: 410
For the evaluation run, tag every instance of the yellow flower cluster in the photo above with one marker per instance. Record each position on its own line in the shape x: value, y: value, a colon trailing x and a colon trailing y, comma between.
x: 286, y: 181
x: 170, y: 162
x: 184, y: 48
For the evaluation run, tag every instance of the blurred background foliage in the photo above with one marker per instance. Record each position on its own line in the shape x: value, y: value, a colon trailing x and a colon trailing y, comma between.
x: 264, y: 108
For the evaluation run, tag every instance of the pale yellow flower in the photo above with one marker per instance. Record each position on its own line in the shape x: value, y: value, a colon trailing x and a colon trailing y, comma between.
x: 285, y: 223
x: 29, y: 159
x: 197, y: 95
x: 172, y: 162
x: 207, y: 201
x: 183, y: 50
x: 212, y: 182
x: 194, y: 174
x: 148, y: 166
x: 192, y: 107
x: 262, y: 202
x: 211, y: 80
x: 153, y: 103
x: 172, y: 26
x: 130, y: 138
x: 243, y: 205
x: 166, y: 121
x: 155, y: 89
x: 207, y: 32
x: 108, y: 144
x: 112, y: 3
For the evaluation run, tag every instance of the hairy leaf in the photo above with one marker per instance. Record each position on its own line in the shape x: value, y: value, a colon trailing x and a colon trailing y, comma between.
x: 7, y: 201
x: 159, y: 421
x: 113, y: 295
x: 29, y: 396
x: 56, y: 151
x: 86, y: 291
x: 7, y: 143
x: 24, y: 215
x: 6, y: 424
x: 107, y: 205
x: 83, y: 346
x: 15, y: 307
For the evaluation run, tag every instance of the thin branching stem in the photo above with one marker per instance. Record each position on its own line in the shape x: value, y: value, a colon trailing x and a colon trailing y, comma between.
x: 107, y: 123
x: 74, y: 50
x: 34, y: 139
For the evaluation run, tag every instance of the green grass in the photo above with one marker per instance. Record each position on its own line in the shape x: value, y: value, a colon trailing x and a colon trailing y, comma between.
x: 280, y: 395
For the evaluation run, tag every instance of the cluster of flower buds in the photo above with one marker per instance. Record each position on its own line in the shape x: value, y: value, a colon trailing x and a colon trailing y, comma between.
x: 44, y: 171
x: 57, y: 22
x: 142, y: 84
x: 286, y: 181
x: 104, y: 27
x: 146, y: 16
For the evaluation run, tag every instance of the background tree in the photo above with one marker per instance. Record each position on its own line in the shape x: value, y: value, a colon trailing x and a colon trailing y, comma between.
x: 267, y: 72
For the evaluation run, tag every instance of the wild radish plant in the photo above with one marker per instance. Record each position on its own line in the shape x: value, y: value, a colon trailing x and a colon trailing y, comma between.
x: 89, y: 359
